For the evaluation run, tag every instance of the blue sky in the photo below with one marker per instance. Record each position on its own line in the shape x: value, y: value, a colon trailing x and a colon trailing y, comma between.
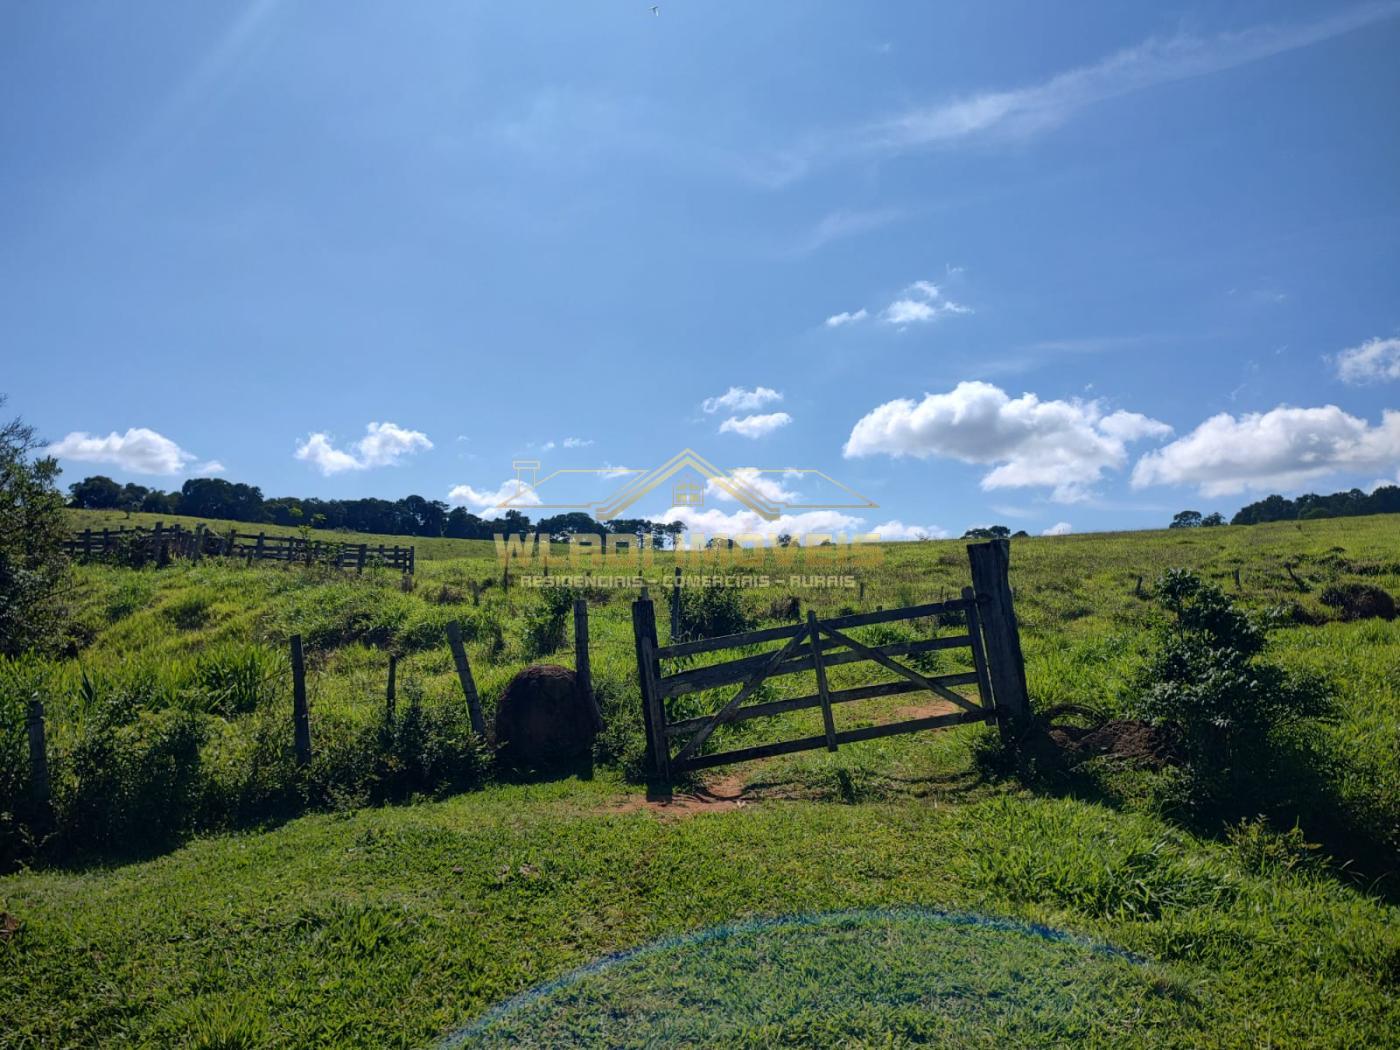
x: 1058, y: 267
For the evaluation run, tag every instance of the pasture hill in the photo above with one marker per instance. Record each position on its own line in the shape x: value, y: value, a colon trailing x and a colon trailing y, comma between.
x: 193, y: 885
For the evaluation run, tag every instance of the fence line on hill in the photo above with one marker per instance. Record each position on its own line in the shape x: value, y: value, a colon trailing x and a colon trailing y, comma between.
x: 160, y: 543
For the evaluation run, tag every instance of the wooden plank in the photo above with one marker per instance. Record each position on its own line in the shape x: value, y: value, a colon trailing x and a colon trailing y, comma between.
x: 848, y: 736
x: 464, y: 675
x: 729, y: 641
x: 824, y: 694
x: 716, y: 675
x: 979, y: 653
x: 908, y: 672
x: 911, y: 612
x: 1006, y: 667
x: 301, y: 717
x: 840, y: 696
x: 722, y: 715
x: 653, y: 710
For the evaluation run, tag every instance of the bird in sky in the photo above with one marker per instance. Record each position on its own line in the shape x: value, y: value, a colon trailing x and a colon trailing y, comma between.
x: 655, y: 10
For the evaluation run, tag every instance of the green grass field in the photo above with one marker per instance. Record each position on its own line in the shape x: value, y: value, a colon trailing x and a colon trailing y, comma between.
x: 398, y: 925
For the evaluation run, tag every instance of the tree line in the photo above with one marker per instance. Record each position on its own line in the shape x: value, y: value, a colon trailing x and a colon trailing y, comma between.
x: 410, y: 516
x: 1349, y: 504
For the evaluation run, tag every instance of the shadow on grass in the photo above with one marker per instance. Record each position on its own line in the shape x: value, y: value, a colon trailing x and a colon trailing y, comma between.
x: 1298, y: 789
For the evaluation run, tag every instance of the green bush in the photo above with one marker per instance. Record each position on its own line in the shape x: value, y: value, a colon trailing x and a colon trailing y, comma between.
x: 708, y: 612
x: 130, y: 783
x: 1246, y: 727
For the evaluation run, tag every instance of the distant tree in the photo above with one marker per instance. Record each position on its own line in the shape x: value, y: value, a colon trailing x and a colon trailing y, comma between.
x: 32, y: 530
x: 994, y: 532
x: 98, y: 492
x: 132, y: 497
x: 561, y: 526
x: 1019, y: 533
x: 785, y: 539
x: 1210, y: 521
x: 1186, y: 519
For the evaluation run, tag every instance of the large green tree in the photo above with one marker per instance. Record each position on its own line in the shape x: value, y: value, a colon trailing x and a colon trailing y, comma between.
x: 32, y: 529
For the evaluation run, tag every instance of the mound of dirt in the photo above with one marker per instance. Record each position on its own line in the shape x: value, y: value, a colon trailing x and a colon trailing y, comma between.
x: 543, y: 720
x: 1359, y: 601
x: 1125, y: 739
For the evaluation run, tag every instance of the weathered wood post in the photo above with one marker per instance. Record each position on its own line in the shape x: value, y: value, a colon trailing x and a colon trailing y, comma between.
x: 38, y: 761
x: 1237, y: 577
x: 464, y: 675
x: 991, y: 584
x: 676, y: 605
x: 360, y: 554
x: 648, y: 679
x: 301, y: 718
x: 583, y: 661
x: 819, y: 665
x: 389, y: 692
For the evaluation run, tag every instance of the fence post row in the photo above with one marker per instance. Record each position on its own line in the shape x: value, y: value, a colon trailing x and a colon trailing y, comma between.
x: 301, y: 719
x: 583, y: 663
x: 991, y: 584
x: 38, y: 760
x: 649, y: 676
x: 464, y: 675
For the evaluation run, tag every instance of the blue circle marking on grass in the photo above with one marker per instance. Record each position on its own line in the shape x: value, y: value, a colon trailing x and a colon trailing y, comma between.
x: 720, y: 933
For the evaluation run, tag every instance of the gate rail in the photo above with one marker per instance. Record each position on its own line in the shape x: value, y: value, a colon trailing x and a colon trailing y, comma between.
x: 815, y: 646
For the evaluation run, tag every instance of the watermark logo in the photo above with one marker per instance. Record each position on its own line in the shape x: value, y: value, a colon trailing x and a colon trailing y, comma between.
x: 685, y: 491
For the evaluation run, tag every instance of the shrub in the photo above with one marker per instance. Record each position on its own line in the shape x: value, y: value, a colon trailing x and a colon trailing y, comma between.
x: 708, y: 612
x: 129, y: 784
x: 1359, y: 601
x: 1242, y: 724
x: 32, y: 531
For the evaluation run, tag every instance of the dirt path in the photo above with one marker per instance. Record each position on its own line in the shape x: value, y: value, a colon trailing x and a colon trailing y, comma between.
x: 721, y: 793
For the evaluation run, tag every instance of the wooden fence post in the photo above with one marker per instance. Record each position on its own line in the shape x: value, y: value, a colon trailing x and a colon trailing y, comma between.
x: 38, y: 760
x: 583, y: 663
x: 676, y: 605
x: 648, y: 676
x: 818, y: 665
x: 464, y: 675
x: 991, y: 584
x: 389, y: 692
x: 301, y: 719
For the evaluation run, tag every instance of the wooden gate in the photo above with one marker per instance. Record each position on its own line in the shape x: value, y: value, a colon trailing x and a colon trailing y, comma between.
x: 815, y: 646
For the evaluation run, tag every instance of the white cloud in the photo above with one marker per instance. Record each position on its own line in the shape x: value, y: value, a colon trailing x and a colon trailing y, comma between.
x: 1060, y: 528
x: 1039, y: 107
x: 923, y: 301
x: 1064, y: 445
x: 1279, y: 449
x: 897, y: 530
x: 766, y: 485
x: 383, y: 445
x: 210, y: 468
x: 711, y: 521
x: 846, y: 317
x: 755, y: 426
x: 737, y: 399
x: 139, y: 450
x: 1375, y: 360
x: 518, y: 492
x: 573, y: 442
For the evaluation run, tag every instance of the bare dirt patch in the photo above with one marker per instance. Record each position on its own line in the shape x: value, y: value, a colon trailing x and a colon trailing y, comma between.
x: 1127, y: 740
x: 715, y: 795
